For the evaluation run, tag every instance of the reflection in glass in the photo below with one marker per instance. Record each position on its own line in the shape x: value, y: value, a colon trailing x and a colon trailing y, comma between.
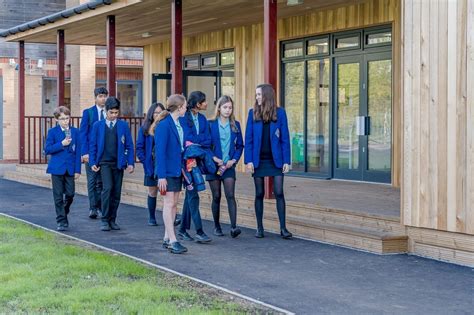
x: 318, y: 116
x: 191, y: 63
x: 227, y: 58
x: 347, y: 110
x: 128, y: 96
x: 208, y: 86
x: 347, y: 42
x: 318, y: 46
x: 380, y: 112
x: 294, y: 106
x: 209, y: 61
x: 379, y: 38
x: 293, y: 49
x: 228, y: 85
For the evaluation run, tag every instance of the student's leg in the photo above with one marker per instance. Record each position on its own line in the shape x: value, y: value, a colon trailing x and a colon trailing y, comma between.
x: 229, y: 190
x: 151, y: 201
x: 98, y: 190
x: 58, y: 192
x: 116, y: 193
x: 107, y: 182
x: 259, y: 194
x: 169, y: 212
x: 193, y: 203
x: 69, y: 190
x: 91, y: 187
x: 215, y: 186
x: 280, y: 200
x: 185, y: 214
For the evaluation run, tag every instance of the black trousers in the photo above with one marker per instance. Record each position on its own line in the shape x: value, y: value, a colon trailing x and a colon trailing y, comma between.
x: 63, y: 194
x: 94, y: 188
x: 111, y: 191
x: 191, y: 211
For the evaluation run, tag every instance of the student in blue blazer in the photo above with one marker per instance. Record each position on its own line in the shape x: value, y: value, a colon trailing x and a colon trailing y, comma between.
x: 89, y: 117
x: 267, y: 152
x: 110, y: 152
x: 64, y: 146
x: 146, y: 155
x: 196, y: 130
x: 227, y: 146
x: 169, y: 142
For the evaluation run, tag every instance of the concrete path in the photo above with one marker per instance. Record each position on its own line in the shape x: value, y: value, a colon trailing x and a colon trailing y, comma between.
x: 301, y: 276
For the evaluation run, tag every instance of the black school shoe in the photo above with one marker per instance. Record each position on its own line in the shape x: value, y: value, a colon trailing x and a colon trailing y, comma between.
x: 202, y: 238
x: 177, y: 248
x: 114, y: 226
x: 218, y: 231
x: 93, y: 213
x: 104, y: 226
x: 284, y: 233
x: 235, y: 232
x: 259, y: 233
x: 61, y: 227
x: 166, y: 243
x: 185, y: 236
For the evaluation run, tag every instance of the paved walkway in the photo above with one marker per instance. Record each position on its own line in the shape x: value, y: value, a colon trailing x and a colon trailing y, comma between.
x: 302, y: 276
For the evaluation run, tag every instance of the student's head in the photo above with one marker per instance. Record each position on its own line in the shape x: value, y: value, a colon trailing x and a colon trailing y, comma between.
x: 152, y: 114
x: 265, y: 105
x: 112, y: 107
x: 100, y: 95
x: 175, y: 103
x: 225, y: 109
x: 62, y: 114
x: 197, y: 101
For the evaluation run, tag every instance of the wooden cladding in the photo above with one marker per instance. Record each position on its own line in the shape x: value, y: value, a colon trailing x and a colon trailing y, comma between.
x: 438, y: 116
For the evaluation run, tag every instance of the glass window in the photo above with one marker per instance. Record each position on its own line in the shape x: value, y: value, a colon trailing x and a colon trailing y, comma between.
x: 318, y: 46
x: 293, y: 49
x: 379, y: 38
x: 294, y: 106
x: 128, y: 94
x: 209, y: 61
x: 227, y: 58
x: 348, y: 42
x: 191, y: 63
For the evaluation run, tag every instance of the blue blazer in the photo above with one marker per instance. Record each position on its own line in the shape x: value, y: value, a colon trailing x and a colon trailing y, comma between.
x: 203, y: 138
x: 168, y: 155
x: 63, y: 158
x: 125, y: 154
x: 144, y: 152
x: 236, y: 141
x: 279, y: 139
x: 86, y: 128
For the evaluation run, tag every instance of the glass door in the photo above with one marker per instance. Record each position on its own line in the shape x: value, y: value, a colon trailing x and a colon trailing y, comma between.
x: 205, y: 81
x: 160, y: 87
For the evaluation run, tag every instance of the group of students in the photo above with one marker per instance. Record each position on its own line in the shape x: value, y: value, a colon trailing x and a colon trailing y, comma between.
x: 105, y: 145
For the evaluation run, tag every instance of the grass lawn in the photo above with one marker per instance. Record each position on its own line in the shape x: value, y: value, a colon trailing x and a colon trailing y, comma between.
x: 41, y: 272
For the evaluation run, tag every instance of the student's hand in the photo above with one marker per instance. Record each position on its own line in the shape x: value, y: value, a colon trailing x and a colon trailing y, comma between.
x: 162, y: 184
x: 95, y: 168
x: 77, y: 175
x: 130, y: 169
x: 230, y: 163
x: 218, y: 161
x: 85, y: 158
x: 286, y: 168
x: 66, y: 142
x: 250, y: 167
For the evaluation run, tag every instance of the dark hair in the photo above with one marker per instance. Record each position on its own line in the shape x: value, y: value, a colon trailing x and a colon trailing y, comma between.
x: 194, y: 99
x: 268, y: 110
x: 100, y: 90
x: 61, y: 110
x: 148, y: 121
x: 112, y: 103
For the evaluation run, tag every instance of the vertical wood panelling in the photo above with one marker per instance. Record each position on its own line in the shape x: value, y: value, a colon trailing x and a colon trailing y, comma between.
x: 437, y: 185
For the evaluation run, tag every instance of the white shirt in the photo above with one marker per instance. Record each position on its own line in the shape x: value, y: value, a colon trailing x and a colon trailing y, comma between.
x: 107, y: 122
x: 99, y: 109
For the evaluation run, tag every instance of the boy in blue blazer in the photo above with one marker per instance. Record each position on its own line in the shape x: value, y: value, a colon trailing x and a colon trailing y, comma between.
x: 63, y: 144
x: 110, y: 152
x: 89, y: 117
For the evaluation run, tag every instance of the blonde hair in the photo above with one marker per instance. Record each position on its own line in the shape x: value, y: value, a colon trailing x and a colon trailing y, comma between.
x: 221, y: 101
x: 173, y: 103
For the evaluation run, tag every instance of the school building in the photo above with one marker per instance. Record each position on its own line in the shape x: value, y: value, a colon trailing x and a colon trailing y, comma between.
x: 376, y: 91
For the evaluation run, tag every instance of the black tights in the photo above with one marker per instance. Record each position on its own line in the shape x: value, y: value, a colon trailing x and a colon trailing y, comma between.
x: 229, y: 189
x: 279, y: 196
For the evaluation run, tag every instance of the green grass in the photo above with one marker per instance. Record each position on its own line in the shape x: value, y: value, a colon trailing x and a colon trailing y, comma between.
x: 41, y: 272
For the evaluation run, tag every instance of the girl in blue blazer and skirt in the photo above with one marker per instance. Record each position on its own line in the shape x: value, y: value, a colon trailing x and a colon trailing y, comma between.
x: 169, y: 140
x: 267, y: 152
x: 146, y: 155
x: 227, y: 146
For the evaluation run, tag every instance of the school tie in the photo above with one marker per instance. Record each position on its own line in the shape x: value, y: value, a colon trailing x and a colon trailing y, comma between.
x: 101, y: 114
x: 111, y: 125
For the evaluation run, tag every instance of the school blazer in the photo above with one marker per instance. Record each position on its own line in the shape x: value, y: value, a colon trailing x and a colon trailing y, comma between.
x: 279, y: 140
x: 125, y: 155
x: 144, y: 149
x: 236, y: 141
x: 203, y: 138
x: 168, y: 155
x: 63, y: 158
x: 86, y: 128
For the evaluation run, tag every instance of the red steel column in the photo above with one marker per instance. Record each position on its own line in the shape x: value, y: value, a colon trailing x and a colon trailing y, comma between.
x: 270, y: 62
x: 176, y: 47
x: 60, y: 52
x: 111, y: 80
x: 21, y: 102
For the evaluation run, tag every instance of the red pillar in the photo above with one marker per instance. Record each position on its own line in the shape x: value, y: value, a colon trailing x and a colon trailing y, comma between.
x: 176, y: 47
x: 21, y: 102
x: 111, y: 80
x: 270, y: 62
x: 61, y: 59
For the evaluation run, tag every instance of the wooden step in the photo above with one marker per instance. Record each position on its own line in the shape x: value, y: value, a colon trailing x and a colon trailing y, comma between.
x: 333, y: 226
